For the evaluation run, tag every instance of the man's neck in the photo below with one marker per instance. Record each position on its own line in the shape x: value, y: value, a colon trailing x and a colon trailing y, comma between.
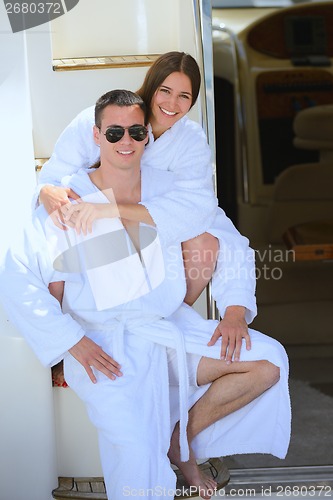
x: 125, y: 184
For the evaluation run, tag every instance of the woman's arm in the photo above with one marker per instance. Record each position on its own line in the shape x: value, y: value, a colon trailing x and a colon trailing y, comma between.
x: 233, y: 288
x: 234, y: 279
x: 82, y: 215
x: 188, y: 209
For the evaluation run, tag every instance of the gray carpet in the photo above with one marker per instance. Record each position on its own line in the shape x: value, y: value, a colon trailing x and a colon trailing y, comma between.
x: 312, y: 431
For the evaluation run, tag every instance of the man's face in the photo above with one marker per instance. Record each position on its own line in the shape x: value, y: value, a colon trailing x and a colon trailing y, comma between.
x: 127, y: 152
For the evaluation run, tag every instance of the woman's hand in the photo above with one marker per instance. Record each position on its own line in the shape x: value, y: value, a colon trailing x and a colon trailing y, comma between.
x: 232, y: 328
x: 55, y: 197
x: 81, y: 216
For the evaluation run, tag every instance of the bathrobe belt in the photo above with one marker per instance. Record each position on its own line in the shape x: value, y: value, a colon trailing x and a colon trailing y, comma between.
x: 160, y: 331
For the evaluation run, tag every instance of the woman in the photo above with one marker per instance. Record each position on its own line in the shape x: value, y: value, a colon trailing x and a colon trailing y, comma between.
x: 170, y: 90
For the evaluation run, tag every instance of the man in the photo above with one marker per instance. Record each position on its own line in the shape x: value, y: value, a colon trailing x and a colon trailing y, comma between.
x: 128, y: 343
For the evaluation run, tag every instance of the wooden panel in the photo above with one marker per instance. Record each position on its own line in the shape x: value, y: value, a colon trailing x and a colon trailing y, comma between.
x: 311, y: 241
x: 269, y: 35
x: 284, y: 93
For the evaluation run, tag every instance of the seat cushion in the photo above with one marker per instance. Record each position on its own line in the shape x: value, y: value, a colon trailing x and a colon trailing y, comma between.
x: 313, y: 128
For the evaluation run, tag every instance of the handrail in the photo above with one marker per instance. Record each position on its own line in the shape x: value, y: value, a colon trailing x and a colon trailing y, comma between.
x: 203, y: 18
x: 202, y: 12
x: 240, y: 112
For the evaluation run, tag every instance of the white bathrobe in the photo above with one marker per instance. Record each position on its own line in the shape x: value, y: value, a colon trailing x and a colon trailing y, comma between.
x: 191, y: 205
x: 132, y: 413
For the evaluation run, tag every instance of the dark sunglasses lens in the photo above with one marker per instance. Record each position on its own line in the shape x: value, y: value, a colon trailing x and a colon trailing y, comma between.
x: 138, y: 132
x: 114, y: 134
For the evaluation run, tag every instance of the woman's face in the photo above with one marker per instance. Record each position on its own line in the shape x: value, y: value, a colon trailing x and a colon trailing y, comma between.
x: 171, y: 101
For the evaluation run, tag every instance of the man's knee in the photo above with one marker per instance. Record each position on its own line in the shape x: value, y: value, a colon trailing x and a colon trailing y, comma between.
x: 268, y: 372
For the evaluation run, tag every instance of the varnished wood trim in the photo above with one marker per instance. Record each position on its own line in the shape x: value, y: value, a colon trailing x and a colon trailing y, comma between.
x: 103, y: 62
x: 39, y: 162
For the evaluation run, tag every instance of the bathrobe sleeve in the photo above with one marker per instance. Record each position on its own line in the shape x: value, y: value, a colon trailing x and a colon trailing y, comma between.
x: 74, y: 149
x: 234, y: 279
x: 189, y: 208
x: 25, y: 273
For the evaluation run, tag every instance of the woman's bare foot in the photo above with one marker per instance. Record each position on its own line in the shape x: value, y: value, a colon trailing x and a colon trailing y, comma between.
x: 205, y: 485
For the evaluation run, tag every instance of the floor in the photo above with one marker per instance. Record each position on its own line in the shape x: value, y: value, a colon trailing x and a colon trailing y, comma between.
x: 311, y: 387
x: 302, y: 489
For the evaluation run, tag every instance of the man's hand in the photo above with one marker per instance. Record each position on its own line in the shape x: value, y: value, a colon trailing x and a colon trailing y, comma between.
x: 232, y: 328
x: 90, y: 355
x: 53, y: 198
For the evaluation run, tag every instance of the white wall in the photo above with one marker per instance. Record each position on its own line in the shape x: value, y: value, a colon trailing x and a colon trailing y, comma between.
x: 17, y: 156
x: 27, y: 440
x: 138, y: 27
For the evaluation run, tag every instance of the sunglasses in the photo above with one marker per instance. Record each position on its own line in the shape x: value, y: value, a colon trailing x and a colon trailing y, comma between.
x: 115, y: 133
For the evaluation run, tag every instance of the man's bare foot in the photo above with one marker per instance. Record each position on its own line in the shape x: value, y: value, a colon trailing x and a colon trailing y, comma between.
x: 205, y: 485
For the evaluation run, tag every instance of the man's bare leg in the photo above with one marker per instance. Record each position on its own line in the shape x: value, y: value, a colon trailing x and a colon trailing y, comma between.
x: 233, y: 386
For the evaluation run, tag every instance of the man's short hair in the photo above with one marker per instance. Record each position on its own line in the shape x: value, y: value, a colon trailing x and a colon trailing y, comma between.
x: 118, y: 97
